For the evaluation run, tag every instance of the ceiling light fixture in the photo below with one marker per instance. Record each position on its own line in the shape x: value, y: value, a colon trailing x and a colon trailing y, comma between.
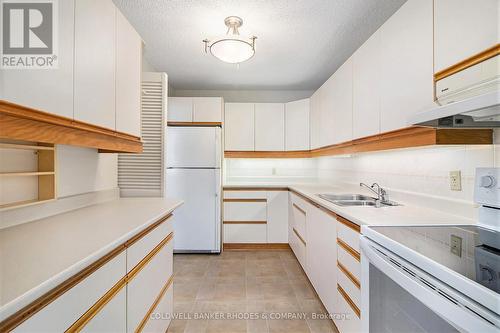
x: 232, y: 48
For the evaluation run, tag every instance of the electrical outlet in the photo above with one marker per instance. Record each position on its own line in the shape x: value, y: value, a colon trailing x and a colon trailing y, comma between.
x: 456, y: 245
x: 456, y: 180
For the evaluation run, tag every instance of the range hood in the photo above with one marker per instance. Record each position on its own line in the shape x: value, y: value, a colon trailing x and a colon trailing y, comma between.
x: 478, y: 111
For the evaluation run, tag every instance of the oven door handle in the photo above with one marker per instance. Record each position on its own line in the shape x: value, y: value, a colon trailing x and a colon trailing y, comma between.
x: 456, y: 314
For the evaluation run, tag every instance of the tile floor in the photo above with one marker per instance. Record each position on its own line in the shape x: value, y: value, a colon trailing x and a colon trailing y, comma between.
x: 261, y: 283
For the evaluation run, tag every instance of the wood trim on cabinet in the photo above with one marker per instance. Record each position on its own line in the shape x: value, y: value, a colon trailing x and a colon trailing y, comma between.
x: 356, y: 255
x: 349, y: 224
x: 154, y: 305
x: 250, y: 189
x: 194, y: 124
x: 349, y: 301
x: 409, y: 137
x: 255, y: 246
x: 299, y: 209
x: 23, y: 123
x: 299, y: 236
x: 32, y: 308
x: 244, y: 222
x: 244, y: 200
x: 469, y: 62
x: 349, y: 275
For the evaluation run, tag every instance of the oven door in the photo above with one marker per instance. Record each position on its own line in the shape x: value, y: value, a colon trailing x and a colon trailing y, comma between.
x: 399, y: 297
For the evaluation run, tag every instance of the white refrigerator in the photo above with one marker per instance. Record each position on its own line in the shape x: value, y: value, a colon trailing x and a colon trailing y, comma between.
x: 194, y: 175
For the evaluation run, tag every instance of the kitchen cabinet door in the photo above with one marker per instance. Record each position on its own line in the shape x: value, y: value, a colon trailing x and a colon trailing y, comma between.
x: 322, y: 255
x: 180, y: 109
x: 112, y: 318
x: 463, y: 28
x: 340, y: 106
x: 315, y: 120
x: 406, y: 82
x: 239, y: 126
x: 327, y: 115
x: 95, y: 62
x: 128, y: 77
x: 207, y: 109
x: 277, y: 216
x: 366, y: 89
x: 297, y: 125
x: 269, y: 127
x: 49, y: 90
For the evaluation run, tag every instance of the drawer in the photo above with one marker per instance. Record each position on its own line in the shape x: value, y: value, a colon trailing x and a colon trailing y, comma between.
x: 349, y: 262
x: 348, y: 232
x: 160, y: 318
x: 112, y: 317
x: 299, y: 215
x: 70, y: 306
x: 245, y: 233
x: 143, y: 246
x: 228, y: 194
x: 347, y: 283
x: 255, y: 210
x: 144, y: 288
x: 352, y: 322
x: 298, y: 246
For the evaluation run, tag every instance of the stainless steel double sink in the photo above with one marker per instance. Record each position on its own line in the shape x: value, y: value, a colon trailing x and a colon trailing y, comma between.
x: 353, y: 200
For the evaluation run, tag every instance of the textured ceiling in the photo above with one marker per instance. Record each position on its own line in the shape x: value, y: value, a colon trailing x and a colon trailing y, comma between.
x: 300, y: 42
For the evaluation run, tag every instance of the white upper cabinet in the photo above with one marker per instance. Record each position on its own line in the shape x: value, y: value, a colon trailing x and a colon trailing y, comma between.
x: 327, y: 116
x: 341, y: 104
x: 207, y: 109
x: 315, y: 120
x: 366, y: 93
x: 239, y: 126
x: 269, y: 127
x: 406, y: 82
x: 297, y: 125
x: 463, y: 28
x: 49, y: 90
x: 128, y: 77
x: 94, y: 73
x: 180, y: 109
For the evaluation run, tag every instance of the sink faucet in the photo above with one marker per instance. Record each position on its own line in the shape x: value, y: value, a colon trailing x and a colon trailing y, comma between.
x: 382, y: 196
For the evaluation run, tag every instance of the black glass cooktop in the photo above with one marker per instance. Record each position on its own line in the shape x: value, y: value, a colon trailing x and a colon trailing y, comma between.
x: 471, y: 251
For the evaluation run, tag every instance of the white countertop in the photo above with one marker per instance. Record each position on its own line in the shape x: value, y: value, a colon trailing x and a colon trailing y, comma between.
x: 37, y: 256
x: 406, y: 214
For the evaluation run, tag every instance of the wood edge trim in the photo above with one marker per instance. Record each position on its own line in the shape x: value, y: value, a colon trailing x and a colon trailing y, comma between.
x: 267, y: 154
x: 78, y: 325
x: 299, y: 236
x: 299, y: 209
x: 349, y: 301
x: 349, y: 224
x: 468, y: 62
x: 244, y: 200
x: 153, y: 306
x: 355, y: 254
x: 195, y: 123
x: 349, y: 275
x: 255, y: 246
x: 229, y: 189
x: 41, y: 302
x: 244, y: 222
x: 315, y: 204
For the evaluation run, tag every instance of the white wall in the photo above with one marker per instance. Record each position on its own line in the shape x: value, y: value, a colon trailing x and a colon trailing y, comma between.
x: 247, y: 96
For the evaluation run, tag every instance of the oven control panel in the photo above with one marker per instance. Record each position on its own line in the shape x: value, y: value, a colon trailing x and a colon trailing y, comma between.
x: 487, y: 187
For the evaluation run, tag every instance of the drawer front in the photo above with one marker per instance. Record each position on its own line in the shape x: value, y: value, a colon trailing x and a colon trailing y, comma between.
x: 245, y: 233
x: 143, y: 246
x: 299, y: 215
x: 348, y: 234
x: 349, y: 262
x: 68, y: 308
x: 145, y: 287
x: 112, y: 318
x: 245, y: 210
x: 161, y: 316
x: 298, y: 247
x: 349, y: 286
x: 228, y: 194
x: 351, y: 324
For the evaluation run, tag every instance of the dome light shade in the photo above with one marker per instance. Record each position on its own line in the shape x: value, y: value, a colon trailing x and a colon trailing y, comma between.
x: 232, y: 48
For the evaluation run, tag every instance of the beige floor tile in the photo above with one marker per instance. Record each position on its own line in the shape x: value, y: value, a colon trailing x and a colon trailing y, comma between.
x: 288, y: 326
x: 230, y: 292
x: 177, y: 326
x: 257, y: 326
x: 321, y: 326
x: 185, y: 292
x: 303, y: 289
x: 227, y: 326
x: 196, y: 326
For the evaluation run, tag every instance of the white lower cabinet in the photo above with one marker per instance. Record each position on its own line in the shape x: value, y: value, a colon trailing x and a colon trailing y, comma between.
x: 245, y: 233
x: 160, y: 318
x: 112, y: 318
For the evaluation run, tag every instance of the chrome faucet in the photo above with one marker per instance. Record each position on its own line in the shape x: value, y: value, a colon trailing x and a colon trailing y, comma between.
x: 382, y: 196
